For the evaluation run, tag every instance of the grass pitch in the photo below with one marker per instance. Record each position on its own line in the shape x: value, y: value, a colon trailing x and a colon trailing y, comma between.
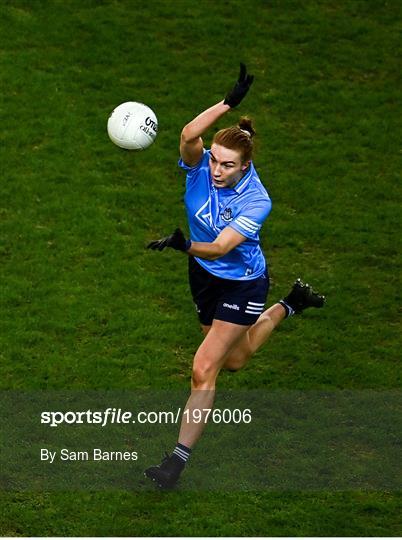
x: 84, y: 306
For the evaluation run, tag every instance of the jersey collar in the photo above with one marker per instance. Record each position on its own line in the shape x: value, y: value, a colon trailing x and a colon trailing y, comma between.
x: 241, y: 186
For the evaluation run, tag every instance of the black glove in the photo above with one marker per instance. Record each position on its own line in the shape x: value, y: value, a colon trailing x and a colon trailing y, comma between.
x: 240, y: 89
x: 175, y: 241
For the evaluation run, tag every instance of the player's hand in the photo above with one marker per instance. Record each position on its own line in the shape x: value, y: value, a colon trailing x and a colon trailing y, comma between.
x: 175, y: 241
x: 240, y: 89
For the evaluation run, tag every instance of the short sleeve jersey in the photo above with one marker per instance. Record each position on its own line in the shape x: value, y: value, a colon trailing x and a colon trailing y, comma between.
x: 210, y: 210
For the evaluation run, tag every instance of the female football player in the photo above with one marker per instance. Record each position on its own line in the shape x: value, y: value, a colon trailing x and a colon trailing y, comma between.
x: 226, y: 206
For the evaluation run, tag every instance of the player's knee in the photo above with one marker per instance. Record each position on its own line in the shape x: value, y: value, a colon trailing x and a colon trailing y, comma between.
x: 204, y: 375
x: 236, y: 361
x: 232, y: 367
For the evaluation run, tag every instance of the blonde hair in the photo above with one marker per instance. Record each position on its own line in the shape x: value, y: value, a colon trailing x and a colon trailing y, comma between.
x: 238, y: 138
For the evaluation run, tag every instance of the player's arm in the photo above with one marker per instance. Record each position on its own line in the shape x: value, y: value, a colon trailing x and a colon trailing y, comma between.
x: 227, y: 240
x: 191, y: 144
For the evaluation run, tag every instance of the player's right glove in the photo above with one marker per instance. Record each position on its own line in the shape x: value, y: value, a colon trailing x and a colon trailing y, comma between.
x: 175, y: 241
x: 240, y: 89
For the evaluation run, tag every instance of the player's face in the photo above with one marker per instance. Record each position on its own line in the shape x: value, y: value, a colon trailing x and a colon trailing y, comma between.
x: 226, y: 166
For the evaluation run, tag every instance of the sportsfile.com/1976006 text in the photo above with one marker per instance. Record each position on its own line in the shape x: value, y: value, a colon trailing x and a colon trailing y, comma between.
x: 113, y: 415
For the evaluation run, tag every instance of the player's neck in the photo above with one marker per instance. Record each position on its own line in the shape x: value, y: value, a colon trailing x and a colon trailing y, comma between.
x: 237, y: 180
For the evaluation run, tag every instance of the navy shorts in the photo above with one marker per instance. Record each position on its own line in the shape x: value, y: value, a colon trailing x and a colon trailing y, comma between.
x: 239, y: 302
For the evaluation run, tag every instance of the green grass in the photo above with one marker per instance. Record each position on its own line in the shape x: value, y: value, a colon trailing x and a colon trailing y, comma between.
x: 84, y: 306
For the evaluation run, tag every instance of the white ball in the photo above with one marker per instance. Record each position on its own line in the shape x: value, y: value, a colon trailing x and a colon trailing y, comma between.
x: 132, y: 126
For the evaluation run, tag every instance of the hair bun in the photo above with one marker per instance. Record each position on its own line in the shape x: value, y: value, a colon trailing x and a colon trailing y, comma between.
x: 246, y: 125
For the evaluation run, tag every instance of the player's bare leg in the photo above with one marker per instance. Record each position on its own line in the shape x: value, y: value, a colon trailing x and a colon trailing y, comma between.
x: 256, y: 336
x: 301, y: 297
x: 208, y: 361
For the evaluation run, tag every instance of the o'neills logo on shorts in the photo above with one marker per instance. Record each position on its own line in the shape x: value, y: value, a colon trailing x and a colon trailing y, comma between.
x: 232, y: 306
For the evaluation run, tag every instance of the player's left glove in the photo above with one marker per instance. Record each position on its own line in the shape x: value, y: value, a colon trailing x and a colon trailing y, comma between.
x: 175, y: 241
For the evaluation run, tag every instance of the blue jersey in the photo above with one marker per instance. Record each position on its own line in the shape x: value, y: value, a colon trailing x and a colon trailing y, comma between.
x: 244, y: 208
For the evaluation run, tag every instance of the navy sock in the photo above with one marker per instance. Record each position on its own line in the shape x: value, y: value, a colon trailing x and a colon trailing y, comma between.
x: 182, y: 452
x: 289, y: 310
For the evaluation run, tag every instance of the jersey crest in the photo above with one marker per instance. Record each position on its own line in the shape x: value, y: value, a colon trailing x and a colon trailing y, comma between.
x: 227, y: 214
